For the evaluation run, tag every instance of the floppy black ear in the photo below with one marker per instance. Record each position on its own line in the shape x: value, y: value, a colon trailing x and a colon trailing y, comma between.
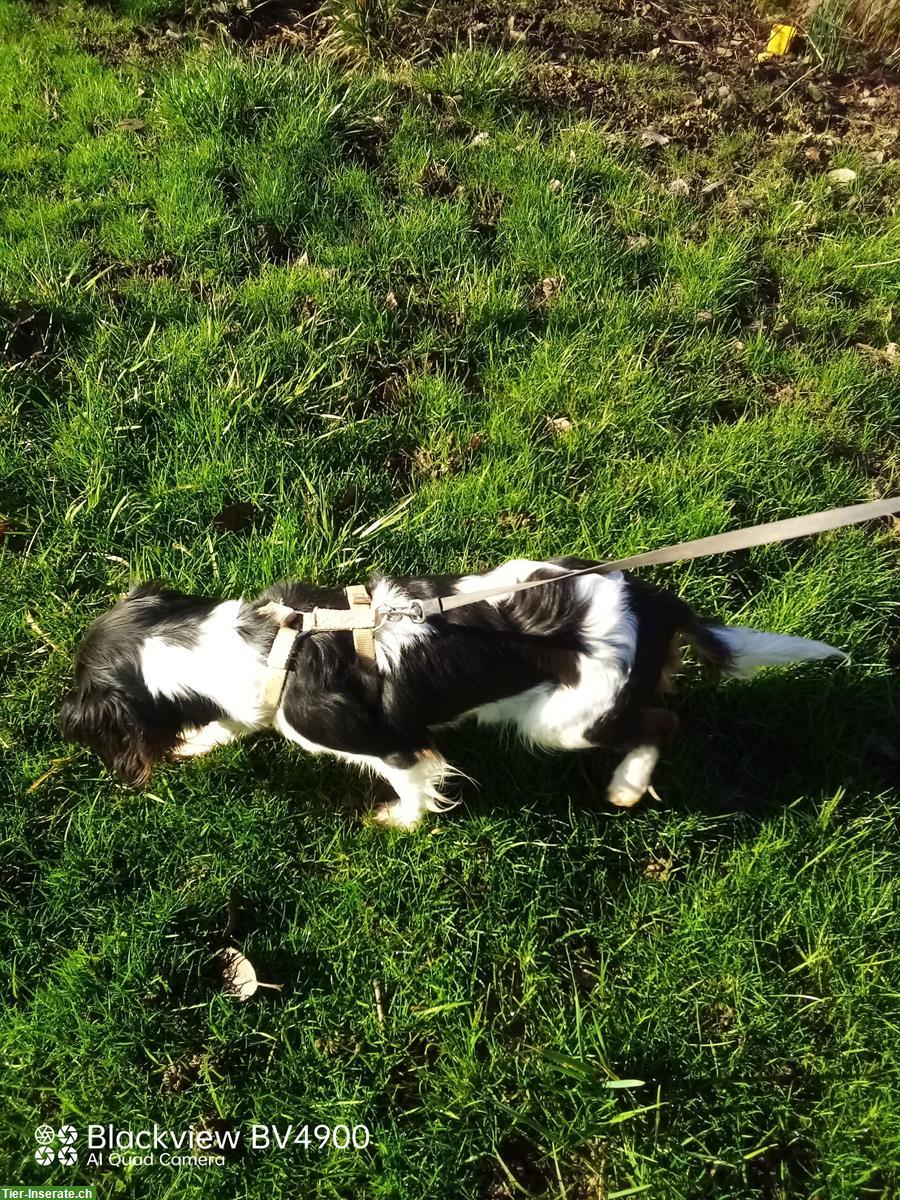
x: 152, y: 587
x: 108, y: 721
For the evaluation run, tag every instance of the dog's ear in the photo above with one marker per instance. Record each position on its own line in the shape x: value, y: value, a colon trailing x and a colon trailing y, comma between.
x: 109, y: 723
x: 140, y: 591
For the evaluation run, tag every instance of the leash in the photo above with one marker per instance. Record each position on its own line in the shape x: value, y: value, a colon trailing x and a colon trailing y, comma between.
x: 363, y: 619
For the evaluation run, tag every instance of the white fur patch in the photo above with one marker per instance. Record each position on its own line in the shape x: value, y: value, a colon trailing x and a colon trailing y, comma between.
x: 557, y: 717
x: 394, y: 636
x: 417, y: 787
x: 222, y: 666
x: 196, y: 742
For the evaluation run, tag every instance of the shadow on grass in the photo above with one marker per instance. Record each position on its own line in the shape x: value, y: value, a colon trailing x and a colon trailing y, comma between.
x: 748, y: 748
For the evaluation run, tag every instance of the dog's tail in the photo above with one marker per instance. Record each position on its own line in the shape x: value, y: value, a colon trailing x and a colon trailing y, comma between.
x: 736, y: 651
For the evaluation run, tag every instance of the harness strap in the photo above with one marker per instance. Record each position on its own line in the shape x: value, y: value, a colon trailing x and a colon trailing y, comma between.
x: 363, y: 635
x: 359, y: 619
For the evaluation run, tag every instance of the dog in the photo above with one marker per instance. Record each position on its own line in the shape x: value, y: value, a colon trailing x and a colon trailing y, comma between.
x: 572, y: 664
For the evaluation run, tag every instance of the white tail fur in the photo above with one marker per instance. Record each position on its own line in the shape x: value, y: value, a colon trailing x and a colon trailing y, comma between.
x: 752, y: 648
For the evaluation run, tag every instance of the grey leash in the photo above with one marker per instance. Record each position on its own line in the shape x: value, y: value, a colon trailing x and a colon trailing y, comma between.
x: 362, y: 616
x: 718, y: 543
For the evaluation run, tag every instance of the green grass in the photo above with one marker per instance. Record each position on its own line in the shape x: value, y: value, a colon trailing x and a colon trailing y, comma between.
x: 342, y: 297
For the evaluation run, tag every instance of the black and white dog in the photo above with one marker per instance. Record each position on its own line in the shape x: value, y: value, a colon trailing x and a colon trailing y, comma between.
x: 571, y: 665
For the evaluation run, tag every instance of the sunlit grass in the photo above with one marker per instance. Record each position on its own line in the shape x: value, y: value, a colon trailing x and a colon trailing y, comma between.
x: 260, y: 278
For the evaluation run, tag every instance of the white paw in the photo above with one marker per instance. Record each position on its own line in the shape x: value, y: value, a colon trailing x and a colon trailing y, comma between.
x: 195, y: 742
x: 393, y: 816
x: 625, y: 795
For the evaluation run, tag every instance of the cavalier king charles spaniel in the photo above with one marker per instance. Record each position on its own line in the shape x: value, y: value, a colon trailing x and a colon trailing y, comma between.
x: 571, y: 665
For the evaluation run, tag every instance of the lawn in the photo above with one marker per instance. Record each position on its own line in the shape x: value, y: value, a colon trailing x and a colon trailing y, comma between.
x: 424, y: 294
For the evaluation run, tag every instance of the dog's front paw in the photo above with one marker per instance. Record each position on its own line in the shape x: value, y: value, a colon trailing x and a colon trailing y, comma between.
x: 196, y: 742
x: 395, y: 816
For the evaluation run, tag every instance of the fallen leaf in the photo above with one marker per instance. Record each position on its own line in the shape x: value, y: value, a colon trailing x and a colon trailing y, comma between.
x: 842, y: 176
x: 713, y: 186
x: 480, y: 139
x: 559, y: 425
x: 390, y: 302
x: 652, y: 137
x: 239, y: 975
x: 680, y: 187
x: 782, y: 37
x: 235, y: 518
x: 555, y: 185
x: 515, y: 35
x: 550, y: 286
x: 638, y: 242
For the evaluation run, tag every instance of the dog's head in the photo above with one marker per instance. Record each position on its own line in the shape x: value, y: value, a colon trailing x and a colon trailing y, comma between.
x: 110, y: 708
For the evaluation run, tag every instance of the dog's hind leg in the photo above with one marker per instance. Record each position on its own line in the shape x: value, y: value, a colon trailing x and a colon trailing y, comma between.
x: 645, y: 732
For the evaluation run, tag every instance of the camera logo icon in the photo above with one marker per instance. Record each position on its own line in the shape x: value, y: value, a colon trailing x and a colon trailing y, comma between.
x: 47, y: 1137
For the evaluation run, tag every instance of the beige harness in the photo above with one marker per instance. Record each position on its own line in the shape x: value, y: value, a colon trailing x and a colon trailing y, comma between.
x: 363, y: 618
x: 359, y: 618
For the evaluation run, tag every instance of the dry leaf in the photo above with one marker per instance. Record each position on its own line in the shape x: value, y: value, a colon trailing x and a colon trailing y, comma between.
x: 239, y: 976
x: 638, y: 242
x: 550, y: 286
x: 680, y: 187
x: 652, y: 137
x: 480, y: 139
x: 555, y: 185
x: 38, y: 632
x: 712, y: 186
x: 515, y: 35
x: 51, y: 771
x: 559, y: 425
x: 390, y: 302
x: 886, y: 354
x: 842, y: 176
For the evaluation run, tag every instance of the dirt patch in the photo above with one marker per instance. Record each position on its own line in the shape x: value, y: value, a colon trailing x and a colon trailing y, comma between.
x: 781, y: 1168
x: 31, y: 336
x: 709, y: 51
x: 519, y: 1165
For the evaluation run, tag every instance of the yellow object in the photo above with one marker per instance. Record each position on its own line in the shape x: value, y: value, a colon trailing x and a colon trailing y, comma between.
x: 780, y: 40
